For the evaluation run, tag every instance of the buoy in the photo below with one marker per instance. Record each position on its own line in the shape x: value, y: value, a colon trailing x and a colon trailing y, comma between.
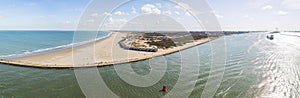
x: 164, y: 88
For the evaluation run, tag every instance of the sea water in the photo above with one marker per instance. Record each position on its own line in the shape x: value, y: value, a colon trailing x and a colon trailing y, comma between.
x: 24, y: 43
x: 255, y: 67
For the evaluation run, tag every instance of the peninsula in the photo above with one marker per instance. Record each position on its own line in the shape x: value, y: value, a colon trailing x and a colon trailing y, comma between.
x: 117, y: 48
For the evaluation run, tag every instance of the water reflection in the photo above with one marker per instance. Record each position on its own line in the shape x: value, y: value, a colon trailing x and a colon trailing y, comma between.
x: 279, y: 65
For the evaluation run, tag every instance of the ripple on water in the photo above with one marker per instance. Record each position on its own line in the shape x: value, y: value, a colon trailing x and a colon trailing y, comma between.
x: 280, y: 75
x: 255, y: 67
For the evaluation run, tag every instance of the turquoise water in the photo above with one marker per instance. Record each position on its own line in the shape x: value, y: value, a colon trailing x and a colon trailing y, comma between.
x: 23, y: 43
x: 16, y: 42
x: 255, y: 67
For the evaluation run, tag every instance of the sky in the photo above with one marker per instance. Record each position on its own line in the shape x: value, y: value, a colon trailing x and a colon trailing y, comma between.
x: 231, y: 14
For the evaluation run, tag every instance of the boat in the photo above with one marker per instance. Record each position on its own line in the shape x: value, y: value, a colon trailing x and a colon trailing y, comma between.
x: 270, y: 37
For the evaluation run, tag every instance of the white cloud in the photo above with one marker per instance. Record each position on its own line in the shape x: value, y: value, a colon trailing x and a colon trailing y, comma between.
x: 119, y: 13
x: 46, y: 17
x: 176, y: 12
x: 119, y: 21
x: 68, y: 23
x: 110, y: 20
x: 187, y: 14
x: 168, y: 12
x: 150, y: 9
x: 267, y: 7
x: 282, y: 13
x: 90, y: 21
x: 97, y: 14
x: 94, y: 14
x: 177, y: 7
x: 107, y: 14
x: 133, y: 10
x: 30, y: 4
x: 182, y: 6
x: 115, y: 23
x: 123, y: 20
x: 216, y: 14
x: 291, y: 4
x: 219, y: 16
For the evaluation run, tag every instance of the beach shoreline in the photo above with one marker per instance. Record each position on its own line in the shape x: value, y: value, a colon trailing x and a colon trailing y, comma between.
x: 106, y: 52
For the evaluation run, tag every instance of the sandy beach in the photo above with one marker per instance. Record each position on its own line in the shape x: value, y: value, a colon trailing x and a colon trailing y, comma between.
x: 103, y: 52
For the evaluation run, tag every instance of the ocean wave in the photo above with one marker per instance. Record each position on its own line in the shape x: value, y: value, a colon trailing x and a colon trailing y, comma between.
x: 46, y: 50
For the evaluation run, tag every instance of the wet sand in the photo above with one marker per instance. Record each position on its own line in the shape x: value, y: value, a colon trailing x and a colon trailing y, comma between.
x: 100, y: 53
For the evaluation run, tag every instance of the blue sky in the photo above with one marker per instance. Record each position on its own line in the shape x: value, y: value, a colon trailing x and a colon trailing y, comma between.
x: 258, y: 14
x: 39, y: 14
x: 231, y: 14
